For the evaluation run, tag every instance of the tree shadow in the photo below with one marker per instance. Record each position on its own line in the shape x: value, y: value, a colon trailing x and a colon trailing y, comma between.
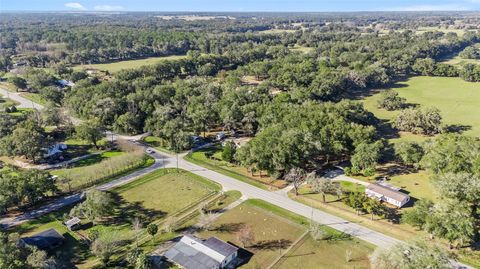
x: 272, y: 244
x: 131, y: 210
x: 457, y: 128
x: 228, y: 227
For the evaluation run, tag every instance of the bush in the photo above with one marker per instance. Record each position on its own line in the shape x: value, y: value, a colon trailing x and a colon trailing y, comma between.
x: 426, y: 121
x: 390, y: 100
x: 229, y: 151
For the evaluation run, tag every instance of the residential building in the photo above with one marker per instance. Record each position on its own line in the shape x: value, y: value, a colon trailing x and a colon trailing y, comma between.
x: 387, y: 193
x: 193, y: 253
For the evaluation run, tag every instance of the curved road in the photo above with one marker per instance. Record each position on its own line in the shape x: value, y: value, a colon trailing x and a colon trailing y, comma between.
x: 163, y: 160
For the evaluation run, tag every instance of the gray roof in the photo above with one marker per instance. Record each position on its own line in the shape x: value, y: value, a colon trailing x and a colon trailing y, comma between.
x: 45, y: 240
x: 387, y: 192
x: 220, y: 246
x: 193, y: 253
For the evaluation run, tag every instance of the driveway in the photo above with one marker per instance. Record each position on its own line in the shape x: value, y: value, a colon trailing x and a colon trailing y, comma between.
x: 23, y: 102
x: 339, y: 175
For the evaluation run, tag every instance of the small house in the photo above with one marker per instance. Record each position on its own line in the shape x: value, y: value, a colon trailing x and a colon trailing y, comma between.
x: 65, y: 83
x: 193, y: 253
x: 46, y: 240
x: 73, y: 224
x: 54, y: 150
x: 387, y: 193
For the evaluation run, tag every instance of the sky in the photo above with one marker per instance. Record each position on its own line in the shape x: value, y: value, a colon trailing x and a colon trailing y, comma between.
x: 238, y: 5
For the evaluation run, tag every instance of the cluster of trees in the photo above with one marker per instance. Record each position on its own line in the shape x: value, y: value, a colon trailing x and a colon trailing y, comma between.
x: 417, y: 254
x: 429, y: 67
x: 24, y: 188
x: 426, y: 121
x: 470, y: 52
x: 15, y: 255
x: 455, y: 164
x: 471, y: 72
x: 303, y: 136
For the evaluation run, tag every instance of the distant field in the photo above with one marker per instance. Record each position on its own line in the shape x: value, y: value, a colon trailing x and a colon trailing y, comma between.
x: 422, y: 30
x: 460, y: 61
x: 117, y: 66
x: 457, y: 100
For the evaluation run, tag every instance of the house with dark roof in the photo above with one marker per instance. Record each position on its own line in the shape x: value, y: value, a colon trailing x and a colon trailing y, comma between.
x: 194, y: 253
x: 387, y: 193
x: 46, y: 240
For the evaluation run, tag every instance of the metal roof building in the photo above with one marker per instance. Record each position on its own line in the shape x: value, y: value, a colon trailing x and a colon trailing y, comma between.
x: 46, y: 240
x: 193, y: 253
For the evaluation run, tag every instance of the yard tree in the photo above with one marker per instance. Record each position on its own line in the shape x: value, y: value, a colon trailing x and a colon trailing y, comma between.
x: 52, y: 115
x: 374, y: 207
x: 296, y: 176
x: 410, y: 256
x: 18, y: 82
x: 356, y: 201
x: 451, y: 153
x: 409, y: 153
x: 206, y: 220
x: 28, y: 139
x: 144, y: 262
x: 98, y: 204
x: 323, y: 186
x: 228, y: 151
x: 104, y: 246
x: 91, y: 131
x: 52, y: 94
x: 390, y: 100
x: 152, y: 229
x: 452, y: 220
x: 366, y: 155
x: 417, y: 216
x: 245, y: 235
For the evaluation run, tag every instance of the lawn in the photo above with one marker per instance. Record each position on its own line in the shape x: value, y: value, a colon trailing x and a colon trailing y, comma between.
x: 150, y: 198
x: 311, y: 254
x: 337, y: 207
x: 166, y: 187
x: 117, y: 66
x: 275, y: 230
x: 272, y: 233
x: 238, y: 172
x: 456, y: 99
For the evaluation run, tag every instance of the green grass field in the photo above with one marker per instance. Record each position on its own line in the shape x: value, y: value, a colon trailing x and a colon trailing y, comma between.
x: 149, y: 198
x: 117, y: 66
x: 276, y: 229
x: 267, y: 228
x: 232, y: 170
x: 167, y: 192
x: 456, y: 99
x: 311, y: 254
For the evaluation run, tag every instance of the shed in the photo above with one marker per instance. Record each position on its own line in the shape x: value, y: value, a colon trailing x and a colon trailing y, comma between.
x: 73, y: 223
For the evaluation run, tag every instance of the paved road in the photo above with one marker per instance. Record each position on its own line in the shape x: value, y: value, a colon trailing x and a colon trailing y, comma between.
x: 228, y: 183
x: 23, y: 103
x: 160, y: 161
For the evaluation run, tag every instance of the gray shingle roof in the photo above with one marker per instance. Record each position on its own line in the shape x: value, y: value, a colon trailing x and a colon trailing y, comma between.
x: 387, y: 192
x: 193, y: 253
x: 220, y: 246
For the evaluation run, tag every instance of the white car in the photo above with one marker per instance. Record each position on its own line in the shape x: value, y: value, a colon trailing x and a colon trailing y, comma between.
x: 149, y: 151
